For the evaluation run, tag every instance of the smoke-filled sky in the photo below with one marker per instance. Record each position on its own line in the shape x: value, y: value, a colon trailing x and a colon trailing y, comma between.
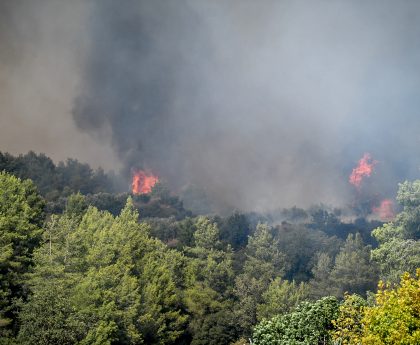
x: 262, y: 103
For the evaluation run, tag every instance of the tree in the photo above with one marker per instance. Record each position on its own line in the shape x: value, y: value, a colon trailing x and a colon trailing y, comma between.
x: 353, y: 271
x: 206, y: 235
x: 21, y: 217
x: 300, y: 245
x: 208, y: 297
x: 115, y: 284
x: 310, y: 323
x: 348, y: 327
x: 235, y: 230
x: 212, y: 320
x: 320, y: 284
x: 264, y: 262
x: 399, y: 240
x: 395, y: 317
x: 49, y: 316
x: 409, y: 197
x: 281, y: 297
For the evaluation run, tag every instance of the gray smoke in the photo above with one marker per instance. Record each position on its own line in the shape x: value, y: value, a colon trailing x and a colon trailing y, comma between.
x: 264, y: 104
x: 43, y: 47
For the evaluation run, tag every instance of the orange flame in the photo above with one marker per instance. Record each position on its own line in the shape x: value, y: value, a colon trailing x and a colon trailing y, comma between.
x: 364, y: 168
x: 143, y: 182
x: 385, y: 211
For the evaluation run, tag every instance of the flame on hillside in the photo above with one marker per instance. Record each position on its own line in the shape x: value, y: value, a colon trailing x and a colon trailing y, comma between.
x: 385, y: 210
x: 143, y: 182
x: 363, y: 169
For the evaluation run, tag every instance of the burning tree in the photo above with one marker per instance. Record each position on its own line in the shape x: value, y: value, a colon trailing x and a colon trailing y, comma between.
x: 143, y: 182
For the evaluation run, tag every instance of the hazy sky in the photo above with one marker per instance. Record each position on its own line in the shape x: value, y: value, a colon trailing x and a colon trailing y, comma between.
x: 43, y: 49
x: 262, y: 103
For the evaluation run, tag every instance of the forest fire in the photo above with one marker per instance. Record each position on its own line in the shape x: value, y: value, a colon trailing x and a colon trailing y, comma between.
x: 364, y: 168
x: 143, y: 182
x: 385, y: 210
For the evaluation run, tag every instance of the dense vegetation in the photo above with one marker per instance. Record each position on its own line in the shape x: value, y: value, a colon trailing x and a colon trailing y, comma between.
x: 80, y: 264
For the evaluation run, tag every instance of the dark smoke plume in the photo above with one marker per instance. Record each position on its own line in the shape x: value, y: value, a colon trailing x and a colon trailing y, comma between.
x: 141, y: 65
x: 264, y: 104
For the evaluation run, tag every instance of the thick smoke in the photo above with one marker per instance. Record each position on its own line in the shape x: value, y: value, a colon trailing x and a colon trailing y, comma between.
x: 43, y: 46
x: 264, y: 104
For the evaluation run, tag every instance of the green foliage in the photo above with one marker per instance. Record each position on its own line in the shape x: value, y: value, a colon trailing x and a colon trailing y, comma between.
x: 76, y: 206
x: 264, y: 262
x: 21, y: 216
x: 399, y: 240
x: 206, y: 235
x: 212, y: 317
x: 323, y: 220
x: 165, y: 229
x: 118, y: 284
x: 39, y: 168
x: 309, y: 324
x: 300, y: 245
x: 208, y: 297
x: 235, y: 230
x: 49, y: 317
x: 409, y: 194
x: 353, y: 271
x: 113, y: 203
x: 94, y: 277
x: 186, y: 231
x: 348, y: 327
x: 395, y: 317
x: 320, y: 284
x: 392, y: 319
x: 281, y: 297
x: 55, y: 181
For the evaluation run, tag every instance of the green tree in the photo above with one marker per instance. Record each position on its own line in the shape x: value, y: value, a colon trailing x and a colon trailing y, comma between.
x: 49, y: 316
x: 21, y: 217
x: 392, y: 318
x: 264, y: 262
x: 395, y: 317
x: 300, y: 245
x: 348, y: 327
x: 235, y: 230
x: 208, y: 297
x: 212, y: 319
x: 281, y: 297
x: 206, y: 235
x: 118, y: 284
x: 320, y: 284
x: 354, y: 271
x: 309, y: 324
x: 399, y: 240
x: 76, y: 206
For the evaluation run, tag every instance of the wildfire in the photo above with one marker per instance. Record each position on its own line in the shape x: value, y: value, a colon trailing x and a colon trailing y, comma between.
x: 143, y: 182
x: 385, y: 210
x: 364, y: 168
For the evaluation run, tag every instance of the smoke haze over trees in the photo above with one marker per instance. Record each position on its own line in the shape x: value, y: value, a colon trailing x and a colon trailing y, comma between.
x: 237, y: 175
x: 263, y: 104
x: 81, y: 275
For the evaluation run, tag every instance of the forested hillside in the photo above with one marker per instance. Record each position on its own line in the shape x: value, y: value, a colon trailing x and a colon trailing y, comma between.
x: 81, y: 264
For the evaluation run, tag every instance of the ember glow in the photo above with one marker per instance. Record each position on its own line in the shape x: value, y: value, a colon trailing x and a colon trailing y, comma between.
x: 385, y: 210
x: 143, y: 182
x: 363, y: 169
